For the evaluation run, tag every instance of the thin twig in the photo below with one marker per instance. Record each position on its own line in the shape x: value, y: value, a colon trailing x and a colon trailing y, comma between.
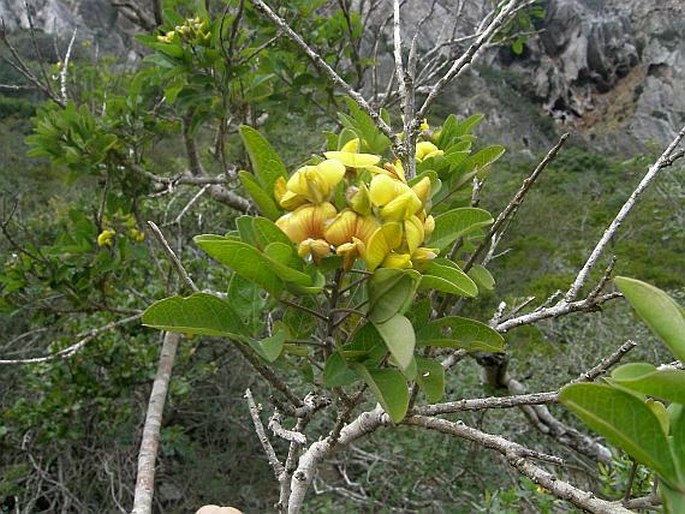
x: 516, y: 201
x: 86, y: 337
x: 323, y: 66
x: 271, y: 456
x: 175, y: 261
x: 666, y: 159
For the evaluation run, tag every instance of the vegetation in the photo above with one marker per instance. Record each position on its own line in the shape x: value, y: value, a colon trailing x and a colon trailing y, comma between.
x: 332, y: 253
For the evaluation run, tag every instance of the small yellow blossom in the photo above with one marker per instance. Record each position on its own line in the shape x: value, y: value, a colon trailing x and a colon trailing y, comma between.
x: 136, y: 235
x: 424, y: 125
x: 316, y: 183
x: 349, y: 155
x: 307, y: 221
x: 314, y: 248
x: 426, y: 149
x: 106, y: 237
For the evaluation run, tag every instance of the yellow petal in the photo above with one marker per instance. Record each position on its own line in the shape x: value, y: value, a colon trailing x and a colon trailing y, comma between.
x: 385, y: 239
x: 396, y: 170
x: 423, y: 256
x: 397, y: 260
x: 342, y: 228
x: 349, y: 252
x: 384, y: 189
x: 413, y: 232
x: 428, y: 227
x: 331, y: 171
x: 402, y: 207
x: 306, y: 222
x: 426, y: 149
x: 314, y: 248
x: 352, y: 146
x: 353, y: 159
x: 366, y: 226
x: 423, y: 189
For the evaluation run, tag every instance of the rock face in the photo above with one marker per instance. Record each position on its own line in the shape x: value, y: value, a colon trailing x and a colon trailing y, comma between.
x: 611, y: 70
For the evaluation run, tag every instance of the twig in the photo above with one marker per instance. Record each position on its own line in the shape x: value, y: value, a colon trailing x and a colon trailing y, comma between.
x: 86, y: 337
x: 519, y: 457
x: 323, y: 66
x: 263, y: 438
x: 506, y: 402
x: 516, y: 201
x: 292, y: 436
x: 175, y: 261
x: 149, y: 446
x: 65, y: 65
x: 666, y: 159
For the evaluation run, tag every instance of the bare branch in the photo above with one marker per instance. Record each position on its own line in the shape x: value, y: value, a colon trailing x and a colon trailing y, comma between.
x: 263, y: 438
x: 175, y: 261
x: 145, y: 481
x: 323, y: 66
x: 519, y: 457
x: 65, y: 68
x: 511, y: 208
x: 86, y: 337
x: 666, y: 159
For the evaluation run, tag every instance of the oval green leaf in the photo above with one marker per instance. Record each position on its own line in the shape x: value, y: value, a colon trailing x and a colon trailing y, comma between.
x: 451, y: 225
x: 431, y: 378
x: 624, y: 420
x: 663, y: 315
x: 447, y: 277
x: 644, y: 378
x: 458, y: 332
x: 390, y: 389
x: 398, y: 335
x: 200, y: 313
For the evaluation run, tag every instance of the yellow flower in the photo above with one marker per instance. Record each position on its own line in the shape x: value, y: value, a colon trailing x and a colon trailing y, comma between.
x: 287, y: 199
x: 136, y: 235
x: 414, y: 233
x: 349, y: 225
x: 106, y: 237
x: 393, y: 170
x: 397, y: 260
x: 314, y: 248
x: 383, y: 189
x: 423, y: 256
x: 316, y: 183
x: 385, y: 239
x: 349, y: 155
x: 402, y: 207
x: 423, y: 189
x: 307, y: 221
x: 424, y: 125
x: 426, y: 149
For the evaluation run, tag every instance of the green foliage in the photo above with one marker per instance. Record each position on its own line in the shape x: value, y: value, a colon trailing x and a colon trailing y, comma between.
x: 621, y: 412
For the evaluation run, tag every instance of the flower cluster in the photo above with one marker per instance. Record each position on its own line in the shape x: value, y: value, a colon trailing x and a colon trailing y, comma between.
x: 379, y: 218
x: 193, y: 31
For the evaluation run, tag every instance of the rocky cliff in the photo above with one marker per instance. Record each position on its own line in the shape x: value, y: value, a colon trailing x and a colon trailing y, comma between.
x: 611, y: 70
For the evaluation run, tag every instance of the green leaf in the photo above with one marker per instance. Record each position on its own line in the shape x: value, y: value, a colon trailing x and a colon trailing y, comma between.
x: 282, y: 259
x: 486, y: 156
x: 431, y: 379
x: 366, y: 347
x: 451, y: 225
x: 676, y: 412
x: 266, y: 163
x: 624, y: 420
x: 663, y: 315
x: 391, y: 292
x: 246, y: 260
x: 445, y: 276
x: 200, y: 313
x: 457, y: 332
x: 266, y: 232
x: 644, y: 378
x: 270, y: 348
x: 659, y: 410
x: 390, y: 389
x: 482, y: 277
x: 246, y: 300
x: 264, y: 200
x: 398, y: 335
x: 336, y: 372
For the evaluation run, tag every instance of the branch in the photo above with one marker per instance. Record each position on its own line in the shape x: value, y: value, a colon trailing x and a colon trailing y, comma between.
x: 145, y: 481
x: 519, y: 457
x: 667, y: 158
x: 365, y: 423
x: 323, y: 66
x: 175, y: 261
x: 511, y: 208
x: 505, y: 14
x: 271, y: 456
x: 506, y: 402
x: 76, y: 347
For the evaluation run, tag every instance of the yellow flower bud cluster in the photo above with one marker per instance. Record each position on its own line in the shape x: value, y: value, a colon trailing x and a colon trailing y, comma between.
x: 106, y: 237
x: 193, y: 31
x: 380, y: 218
